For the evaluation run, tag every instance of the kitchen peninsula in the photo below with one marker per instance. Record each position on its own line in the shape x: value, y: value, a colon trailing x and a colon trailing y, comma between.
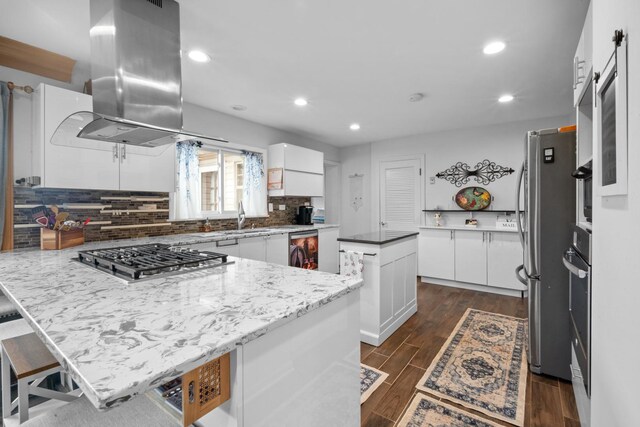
x: 388, y: 297
x: 292, y: 334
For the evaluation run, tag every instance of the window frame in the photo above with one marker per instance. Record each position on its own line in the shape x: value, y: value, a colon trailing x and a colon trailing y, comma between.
x: 233, y: 149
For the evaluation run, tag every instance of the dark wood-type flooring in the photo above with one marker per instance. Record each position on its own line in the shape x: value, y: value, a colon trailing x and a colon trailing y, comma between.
x: 407, y: 354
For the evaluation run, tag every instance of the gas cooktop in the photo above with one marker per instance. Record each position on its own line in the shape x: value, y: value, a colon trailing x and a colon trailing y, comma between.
x: 150, y: 261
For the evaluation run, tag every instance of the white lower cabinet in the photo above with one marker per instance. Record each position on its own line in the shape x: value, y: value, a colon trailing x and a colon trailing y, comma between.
x: 470, y: 257
x: 277, y: 249
x: 504, y: 254
x: 436, y: 249
x: 328, y: 250
x: 254, y: 248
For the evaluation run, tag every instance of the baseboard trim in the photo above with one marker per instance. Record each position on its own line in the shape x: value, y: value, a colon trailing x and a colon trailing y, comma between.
x: 378, y: 339
x: 472, y: 287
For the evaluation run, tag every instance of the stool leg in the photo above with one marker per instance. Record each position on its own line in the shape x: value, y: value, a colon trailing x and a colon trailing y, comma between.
x: 6, y: 385
x: 23, y: 400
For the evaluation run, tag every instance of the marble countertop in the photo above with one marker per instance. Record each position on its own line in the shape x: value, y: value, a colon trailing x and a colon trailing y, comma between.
x: 118, y: 340
x: 462, y: 227
x: 380, y: 237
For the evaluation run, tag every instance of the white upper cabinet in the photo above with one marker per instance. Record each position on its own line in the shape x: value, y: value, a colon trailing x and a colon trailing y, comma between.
x: 303, y: 170
x: 582, y: 60
x: 70, y: 162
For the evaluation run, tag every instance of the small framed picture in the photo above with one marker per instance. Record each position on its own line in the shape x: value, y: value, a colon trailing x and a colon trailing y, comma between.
x: 274, y: 179
x: 471, y: 222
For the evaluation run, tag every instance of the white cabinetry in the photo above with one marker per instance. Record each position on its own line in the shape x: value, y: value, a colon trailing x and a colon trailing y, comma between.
x: 504, y: 253
x: 278, y: 249
x: 70, y: 162
x: 388, y: 297
x: 254, y: 248
x: 470, y: 257
x: 475, y: 257
x: 436, y: 249
x: 303, y: 170
x: 582, y: 60
x: 227, y: 247
x: 328, y: 250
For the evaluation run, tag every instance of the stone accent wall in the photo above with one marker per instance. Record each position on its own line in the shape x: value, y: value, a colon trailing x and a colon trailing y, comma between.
x: 30, y: 237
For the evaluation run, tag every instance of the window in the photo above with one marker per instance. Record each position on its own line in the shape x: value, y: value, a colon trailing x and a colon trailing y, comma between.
x: 221, y: 180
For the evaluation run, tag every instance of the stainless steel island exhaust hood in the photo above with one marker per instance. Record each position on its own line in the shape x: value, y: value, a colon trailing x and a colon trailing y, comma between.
x: 136, y: 75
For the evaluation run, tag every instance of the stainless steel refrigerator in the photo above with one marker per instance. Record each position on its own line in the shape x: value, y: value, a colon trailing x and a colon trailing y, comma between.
x: 548, y: 191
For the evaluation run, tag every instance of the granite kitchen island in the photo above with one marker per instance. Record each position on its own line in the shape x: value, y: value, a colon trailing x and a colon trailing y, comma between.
x: 293, y: 334
x: 388, y: 297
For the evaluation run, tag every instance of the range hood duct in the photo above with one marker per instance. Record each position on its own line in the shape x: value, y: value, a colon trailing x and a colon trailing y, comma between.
x: 136, y: 75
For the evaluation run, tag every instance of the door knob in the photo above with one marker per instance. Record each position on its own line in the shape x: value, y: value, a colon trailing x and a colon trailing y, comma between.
x: 383, y: 223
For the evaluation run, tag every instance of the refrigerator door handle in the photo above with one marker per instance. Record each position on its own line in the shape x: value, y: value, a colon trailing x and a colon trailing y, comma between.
x: 521, y: 279
x: 518, y: 212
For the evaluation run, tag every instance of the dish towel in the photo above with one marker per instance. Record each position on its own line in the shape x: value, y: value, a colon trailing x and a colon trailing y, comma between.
x: 352, y: 264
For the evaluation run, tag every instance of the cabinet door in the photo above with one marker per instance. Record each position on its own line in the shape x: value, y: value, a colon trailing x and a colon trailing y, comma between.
x: 67, y: 161
x: 277, y: 249
x: 254, y: 248
x: 303, y: 159
x: 471, y: 257
x: 303, y: 184
x: 147, y: 169
x: 328, y: 250
x: 504, y: 254
x: 436, y: 254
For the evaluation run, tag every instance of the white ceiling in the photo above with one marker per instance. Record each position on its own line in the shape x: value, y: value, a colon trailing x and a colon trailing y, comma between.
x: 355, y: 60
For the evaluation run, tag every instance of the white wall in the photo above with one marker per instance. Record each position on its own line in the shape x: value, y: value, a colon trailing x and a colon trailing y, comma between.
x: 503, y: 144
x: 355, y: 160
x: 616, y: 232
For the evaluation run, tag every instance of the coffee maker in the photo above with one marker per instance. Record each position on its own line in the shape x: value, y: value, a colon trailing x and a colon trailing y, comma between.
x: 304, y: 215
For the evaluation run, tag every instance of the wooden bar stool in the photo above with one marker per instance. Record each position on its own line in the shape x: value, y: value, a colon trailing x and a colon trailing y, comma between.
x: 31, y: 362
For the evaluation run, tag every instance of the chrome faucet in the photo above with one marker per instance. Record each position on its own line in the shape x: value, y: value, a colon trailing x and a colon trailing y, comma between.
x: 241, y: 216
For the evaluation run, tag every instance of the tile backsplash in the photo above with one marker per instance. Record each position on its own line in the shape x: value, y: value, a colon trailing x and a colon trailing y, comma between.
x: 112, y: 221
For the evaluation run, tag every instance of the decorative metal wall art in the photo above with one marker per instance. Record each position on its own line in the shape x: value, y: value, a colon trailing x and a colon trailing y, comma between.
x: 485, y: 172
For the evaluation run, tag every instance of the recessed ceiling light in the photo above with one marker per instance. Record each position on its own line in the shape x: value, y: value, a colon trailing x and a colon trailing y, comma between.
x: 493, y: 48
x: 239, y: 107
x: 300, y: 102
x: 199, y: 56
x: 354, y: 126
x: 505, y: 98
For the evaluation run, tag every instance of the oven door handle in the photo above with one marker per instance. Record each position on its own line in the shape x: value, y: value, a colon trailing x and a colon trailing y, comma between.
x: 572, y: 268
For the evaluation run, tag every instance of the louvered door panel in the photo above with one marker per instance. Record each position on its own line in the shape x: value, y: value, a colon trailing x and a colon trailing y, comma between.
x: 400, y: 195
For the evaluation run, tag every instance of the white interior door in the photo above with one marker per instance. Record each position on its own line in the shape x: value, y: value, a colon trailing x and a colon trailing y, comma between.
x: 400, y: 201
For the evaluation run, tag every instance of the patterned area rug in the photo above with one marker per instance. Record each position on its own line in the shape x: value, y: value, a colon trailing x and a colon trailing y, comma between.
x: 370, y: 380
x: 427, y: 412
x: 483, y: 366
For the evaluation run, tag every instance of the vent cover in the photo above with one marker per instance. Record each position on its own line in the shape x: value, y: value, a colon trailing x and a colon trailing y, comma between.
x: 156, y: 2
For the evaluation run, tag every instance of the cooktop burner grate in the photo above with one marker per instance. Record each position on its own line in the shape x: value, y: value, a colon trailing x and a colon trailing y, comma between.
x: 142, y: 261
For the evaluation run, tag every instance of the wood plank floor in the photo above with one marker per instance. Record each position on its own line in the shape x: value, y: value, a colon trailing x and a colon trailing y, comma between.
x: 407, y: 354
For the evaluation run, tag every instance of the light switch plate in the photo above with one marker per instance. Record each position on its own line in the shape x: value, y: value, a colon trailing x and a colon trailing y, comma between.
x: 270, y: 207
x: 282, y: 207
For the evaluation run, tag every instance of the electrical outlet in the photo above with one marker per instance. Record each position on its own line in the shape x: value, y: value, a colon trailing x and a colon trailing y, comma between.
x: 432, y: 180
x: 270, y: 207
x: 282, y: 207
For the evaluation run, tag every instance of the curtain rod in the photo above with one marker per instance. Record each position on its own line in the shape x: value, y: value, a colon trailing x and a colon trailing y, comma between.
x: 26, y: 89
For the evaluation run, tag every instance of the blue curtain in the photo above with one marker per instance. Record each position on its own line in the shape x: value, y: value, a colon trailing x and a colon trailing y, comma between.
x: 4, y: 152
x: 187, y: 196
